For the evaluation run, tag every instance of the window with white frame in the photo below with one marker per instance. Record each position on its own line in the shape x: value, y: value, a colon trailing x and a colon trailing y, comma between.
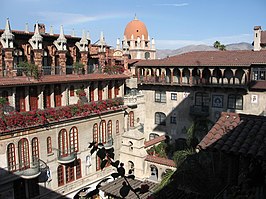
x: 160, y: 118
x: 160, y: 96
x: 173, y: 96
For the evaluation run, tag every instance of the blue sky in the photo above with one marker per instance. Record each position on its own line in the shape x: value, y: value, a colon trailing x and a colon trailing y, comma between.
x: 172, y: 23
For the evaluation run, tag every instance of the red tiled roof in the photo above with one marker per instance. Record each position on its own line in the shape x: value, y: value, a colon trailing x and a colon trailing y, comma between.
x: 210, y: 58
x: 113, y: 188
x: 258, y: 85
x: 237, y: 134
x: 263, y: 37
x: 49, y: 79
x: 154, y: 141
x: 158, y: 160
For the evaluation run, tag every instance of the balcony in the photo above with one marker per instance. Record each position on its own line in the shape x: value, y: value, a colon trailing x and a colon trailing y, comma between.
x: 66, y: 158
x: 199, y: 111
x: 131, y: 101
x: 109, y: 143
x: 29, y: 171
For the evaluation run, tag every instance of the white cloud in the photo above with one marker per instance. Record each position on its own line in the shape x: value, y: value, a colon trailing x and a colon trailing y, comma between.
x: 171, y: 4
x: 59, y: 18
x: 174, y: 44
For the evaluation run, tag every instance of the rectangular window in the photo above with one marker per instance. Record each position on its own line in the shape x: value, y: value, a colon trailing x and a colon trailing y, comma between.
x: 235, y: 102
x: 160, y: 96
x: 49, y: 145
x: 78, y: 169
x: 173, y: 96
x: 173, y: 119
x: 70, y: 173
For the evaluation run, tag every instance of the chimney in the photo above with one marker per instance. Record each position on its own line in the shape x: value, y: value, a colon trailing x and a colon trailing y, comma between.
x: 257, y: 38
x: 41, y: 28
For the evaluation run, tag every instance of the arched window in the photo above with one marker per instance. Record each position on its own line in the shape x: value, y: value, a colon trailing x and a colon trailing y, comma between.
x: 11, y: 157
x: 5, y: 95
x: 235, y: 102
x: 78, y: 169
x: 49, y: 145
x: 160, y: 118
x: 63, y: 143
x: 35, y: 149
x: 23, y: 152
x: 60, y: 175
x: 102, y: 132
x: 130, y: 167
x: 71, y: 91
x: 153, y: 135
x: 109, y: 130
x: 95, y: 133
x: 202, y: 99
x: 131, y: 118
x: 73, y: 138
x: 70, y: 173
x: 117, y: 127
x: 147, y: 55
x: 154, y: 173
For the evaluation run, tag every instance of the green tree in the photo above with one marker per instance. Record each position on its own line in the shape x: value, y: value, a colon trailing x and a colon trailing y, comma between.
x: 219, y: 46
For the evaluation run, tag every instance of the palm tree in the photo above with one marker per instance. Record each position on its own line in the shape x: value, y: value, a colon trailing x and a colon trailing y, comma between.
x: 216, y: 44
x: 222, y: 47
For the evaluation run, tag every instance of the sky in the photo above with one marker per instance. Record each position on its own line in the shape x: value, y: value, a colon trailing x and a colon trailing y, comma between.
x: 172, y: 23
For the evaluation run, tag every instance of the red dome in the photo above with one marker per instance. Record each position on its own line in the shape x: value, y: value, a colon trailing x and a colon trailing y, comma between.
x: 136, y: 28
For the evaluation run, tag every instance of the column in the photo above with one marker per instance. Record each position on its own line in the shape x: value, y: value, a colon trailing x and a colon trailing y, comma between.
x: 181, y: 76
x: 201, y: 72
x: 13, y: 101
x: 38, y: 55
x: 234, y: 75
x: 163, y: 75
x: 62, y: 61
x: 27, y: 98
x: 84, y: 60
x: 138, y: 71
x: 211, y: 69
x: 222, y: 70
x: 95, y: 91
x: 40, y: 90
x: 52, y: 96
x: 190, y: 76
x: 247, y: 77
x: 172, y: 76
x: 8, y: 61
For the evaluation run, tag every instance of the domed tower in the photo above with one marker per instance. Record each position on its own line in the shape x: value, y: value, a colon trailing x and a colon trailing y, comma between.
x: 137, y: 42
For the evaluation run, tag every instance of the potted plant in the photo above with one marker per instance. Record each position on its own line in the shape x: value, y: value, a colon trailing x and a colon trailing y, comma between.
x: 78, y: 68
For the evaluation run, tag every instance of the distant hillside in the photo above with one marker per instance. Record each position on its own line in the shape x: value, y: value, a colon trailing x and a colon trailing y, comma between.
x: 167, y: 52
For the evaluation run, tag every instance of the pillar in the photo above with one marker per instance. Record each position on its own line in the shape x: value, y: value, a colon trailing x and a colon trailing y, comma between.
x: 84, y: 60
x: 181, y: 75
x: 62, y: 61
x: 172, y: 76
x: 190, y: 76
x: 27, y: 98
x: 38, y: 55
x: 8, y: 61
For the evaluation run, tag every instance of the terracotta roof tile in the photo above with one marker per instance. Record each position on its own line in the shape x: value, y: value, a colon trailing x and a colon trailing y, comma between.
x: 247, y: 137
x: 20, y: 81
x: 210, y: 58
x: 113, y: 188
x: 158, y: 160
x: 154, y: 141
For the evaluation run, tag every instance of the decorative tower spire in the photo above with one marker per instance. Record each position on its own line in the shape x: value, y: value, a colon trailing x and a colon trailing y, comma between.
x: 61, y: 41
x: 102, y: 43
x: 83, y: 43
x: 125, y: 45
x: 7, y: 37
x: 36, y: 40
x: 26, y: 28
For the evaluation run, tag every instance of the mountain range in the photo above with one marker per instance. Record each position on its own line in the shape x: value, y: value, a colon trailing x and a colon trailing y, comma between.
x: 162, y: 53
